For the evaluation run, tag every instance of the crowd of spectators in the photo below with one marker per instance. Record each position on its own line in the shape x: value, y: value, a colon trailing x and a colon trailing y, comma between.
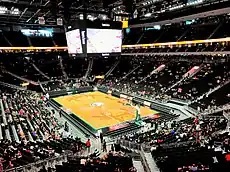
x: 112, y: 161
x: 194, y: 144
x: 8, y: 39
x: 163, y: 79
x: 64, y: 84
x: 198, y: 29
x: 147, y: 76
x: 30, y: 132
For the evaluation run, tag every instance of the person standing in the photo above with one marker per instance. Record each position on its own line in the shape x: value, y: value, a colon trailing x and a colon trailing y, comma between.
x: 60, y: 113
x: 112, y: 147
x: 66, y: 127
x: 1, y: 164
x: 101, y: 138
x: 88, y: 145
x: 104, y: 146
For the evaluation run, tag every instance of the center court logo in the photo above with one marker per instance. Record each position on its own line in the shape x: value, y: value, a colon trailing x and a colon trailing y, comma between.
x: 97, y: 104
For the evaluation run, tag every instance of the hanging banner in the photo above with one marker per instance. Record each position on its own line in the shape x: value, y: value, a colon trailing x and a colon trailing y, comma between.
x: 41, y: 20
x: 59, y: 22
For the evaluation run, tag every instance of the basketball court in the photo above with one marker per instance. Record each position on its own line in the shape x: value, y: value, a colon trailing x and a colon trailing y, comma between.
x: 100, y: 110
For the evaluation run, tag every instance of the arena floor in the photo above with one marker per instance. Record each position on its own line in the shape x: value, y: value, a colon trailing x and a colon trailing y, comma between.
x: 100, y: 110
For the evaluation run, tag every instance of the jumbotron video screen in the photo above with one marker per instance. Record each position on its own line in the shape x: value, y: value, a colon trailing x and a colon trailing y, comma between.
x: 94, y: 38
x: 74, y: 41
x: 103, y: 41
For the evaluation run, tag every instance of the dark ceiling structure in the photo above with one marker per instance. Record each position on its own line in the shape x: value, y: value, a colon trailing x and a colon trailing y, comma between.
x: 28, y: 11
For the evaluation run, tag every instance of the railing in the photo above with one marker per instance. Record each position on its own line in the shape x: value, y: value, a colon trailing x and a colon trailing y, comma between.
x: 206, y: 94
x: 139, y: 148
x: 12, y: 86
x: 129, y: 144
x: 42, y: 87
x: 39, y: 71
x: 144, y: 161
x: 218, y: 87
x: 37, y: 166
x: 129, y: 73
x: 226, y: 114
x: 21, y: 78
x: 216, y: 109
x: 112, y: 69
x: 185, y: 102
x: 89, y: 68
x: 62, y: 68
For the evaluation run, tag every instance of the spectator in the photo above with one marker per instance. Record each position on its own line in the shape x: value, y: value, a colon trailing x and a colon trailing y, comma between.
x: 101, y: 137
x: 104, y: 146
x: 88, y: 145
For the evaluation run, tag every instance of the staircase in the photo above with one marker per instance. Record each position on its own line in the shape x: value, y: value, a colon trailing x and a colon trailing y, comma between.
x: 224, y: 108
x: 112, y: 69
x: 174, y: 85
x: 129, y: 73
x: 138, y: 165
x: 185, y: 32
x: 39, y: 71
x: 218, y: 87
x: 215, y: 30
x: 151, y: 163
x: 40, y: 84
x: 186, y: 76
x: 89, y: 69
x: 20, y: 78
x: 12, y: 86
x: 155, y: 71
x: 139, y: 39
x: 62, y: 67
x: 210, y: 91
x: 162, y: 33
x: 226, y: 114
x: 29, y: 41
x: 7, y: 40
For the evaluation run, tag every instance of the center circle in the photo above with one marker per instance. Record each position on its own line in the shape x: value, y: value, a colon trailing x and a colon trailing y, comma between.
x: 97, y: 104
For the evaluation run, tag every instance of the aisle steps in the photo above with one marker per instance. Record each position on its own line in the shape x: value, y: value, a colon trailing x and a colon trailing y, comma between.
x: 152, y: 164
x: 138, y: 165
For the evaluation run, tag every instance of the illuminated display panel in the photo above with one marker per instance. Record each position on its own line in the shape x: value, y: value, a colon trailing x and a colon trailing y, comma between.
x: 104, y: 40
x: 74, y: 44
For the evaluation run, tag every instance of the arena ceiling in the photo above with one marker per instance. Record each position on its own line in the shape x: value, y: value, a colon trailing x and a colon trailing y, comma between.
x: 28, y: 11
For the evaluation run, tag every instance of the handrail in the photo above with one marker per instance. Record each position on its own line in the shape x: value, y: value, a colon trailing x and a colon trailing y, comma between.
x: 21, y: 78
x: 216, y: 110
x: 35, y: 167
x: 39, y: 71
x: 139, y: 148
x: 144, y: 161
x: 12, y: 86
x: 62, y: 67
